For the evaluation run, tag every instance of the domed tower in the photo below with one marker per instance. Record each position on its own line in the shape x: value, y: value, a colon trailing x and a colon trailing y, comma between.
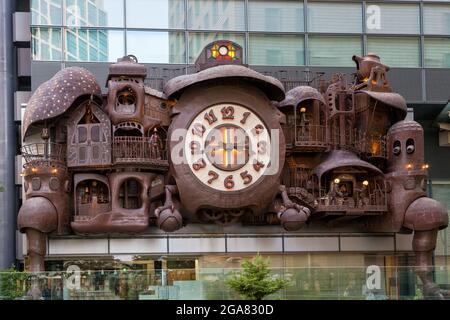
x: 410, y: 210
x: 47, y: 179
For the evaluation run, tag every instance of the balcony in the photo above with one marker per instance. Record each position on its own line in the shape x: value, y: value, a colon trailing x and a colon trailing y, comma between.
x: 373, y: 147
x: 306, y: 138
x: 138, y: 150
x: 44, y: 154
x: 374, y: 204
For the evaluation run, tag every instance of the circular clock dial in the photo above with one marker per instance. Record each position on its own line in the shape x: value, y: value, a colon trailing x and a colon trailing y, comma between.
x: 227, y: 147
x: 223, y: 50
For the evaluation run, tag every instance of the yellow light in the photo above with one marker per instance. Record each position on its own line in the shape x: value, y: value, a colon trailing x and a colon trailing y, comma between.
x: 337, y: 181
x: 22, y: 174
x: 409, y: 166
x: 365, y: 182
x: 375, y: 147
x: 34, y: 170
x: 425, y: 166
x: 215, y: 51
x: 366, y: 79
x: 54, y: 170
x: 303, y: 110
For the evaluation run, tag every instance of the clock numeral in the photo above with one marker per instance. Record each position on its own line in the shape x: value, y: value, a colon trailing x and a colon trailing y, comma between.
x: 210, y: 117
x: 258, y: 129
x: 258, y: 165
x: 262, y: 147
x: 227, y: 113
x: 245, y: 115
x: 213, y: 175
x: 198, y: 129
x: 199, y: 164
x: 195, y: 147
x: 246, y: 177
x: 228, y: 182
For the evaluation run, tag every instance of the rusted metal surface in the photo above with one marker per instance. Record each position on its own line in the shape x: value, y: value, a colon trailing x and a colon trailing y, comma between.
x: 341, y: 158
x: 45, y: 221
x: 270, y: 86
x: 426, y: 214
x: 299, y: 94
x: 343, y: 154
x: 389, y: 98
x: 56, y: 95
x: 220, y: 52
x: 126, y: 67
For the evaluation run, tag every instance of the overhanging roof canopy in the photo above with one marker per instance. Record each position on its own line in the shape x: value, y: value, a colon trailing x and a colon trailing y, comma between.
x: 342, y: 158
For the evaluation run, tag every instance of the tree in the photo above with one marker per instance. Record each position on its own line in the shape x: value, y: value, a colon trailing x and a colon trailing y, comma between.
x: 12, y: 283
x: 255, y: 281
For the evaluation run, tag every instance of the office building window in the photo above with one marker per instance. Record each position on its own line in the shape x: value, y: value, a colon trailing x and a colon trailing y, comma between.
x: 156, y: 47
x: 46, y: 44
x: 333, y: 51
x: 436, y: 19
x: 46, y: 12
x: 83, y: 13
x: 396, y: 51
x: 437, y: 52
x: 276, y: 16
x: 198, y: 40
x: 334, y: 17
x: 276, y: 50
x: 392, y: 18
x: 218, y: 12
x: 94, y: 44
x: 163, y: 14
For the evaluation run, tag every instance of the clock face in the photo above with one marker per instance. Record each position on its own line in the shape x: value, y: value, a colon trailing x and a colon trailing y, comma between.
x: 227, y: 147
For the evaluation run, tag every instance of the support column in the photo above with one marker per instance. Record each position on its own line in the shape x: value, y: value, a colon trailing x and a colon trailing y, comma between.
x: 7, y: 138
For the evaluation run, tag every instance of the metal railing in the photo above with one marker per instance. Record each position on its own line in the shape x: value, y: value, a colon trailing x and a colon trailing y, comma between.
x: 305, y: 135
x: 375, y: 201
x: 373, y: 146
x: 44, y: 153
x: 136, y: 149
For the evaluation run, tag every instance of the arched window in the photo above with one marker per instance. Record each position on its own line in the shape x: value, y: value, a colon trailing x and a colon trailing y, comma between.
x: 130, y: 194
x: 126, y: 101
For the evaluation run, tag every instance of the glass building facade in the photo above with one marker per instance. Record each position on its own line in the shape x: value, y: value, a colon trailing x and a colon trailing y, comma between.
x: 273, y: 33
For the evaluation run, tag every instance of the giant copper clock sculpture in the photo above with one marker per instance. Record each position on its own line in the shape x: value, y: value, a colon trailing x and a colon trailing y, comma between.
x: 225, y: 145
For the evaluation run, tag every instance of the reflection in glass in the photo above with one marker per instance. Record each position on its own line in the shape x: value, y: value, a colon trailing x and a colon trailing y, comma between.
x: 216, y: 15
x: 167, y: 14
x: 156, y: 47
x: 277, y: 50
x: 441, y: 192
x: 46, y: 44
x: 94, y: 45
x: 437, y: 53
x: 333, y: 51
x: 46, y: 12
x: 273, y: 16
x: 334, y: 17
x: 198, y: 40
x: 436, y: 19
x: 395, y: 51
x: 393, y: 18
x: 83, y: 13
